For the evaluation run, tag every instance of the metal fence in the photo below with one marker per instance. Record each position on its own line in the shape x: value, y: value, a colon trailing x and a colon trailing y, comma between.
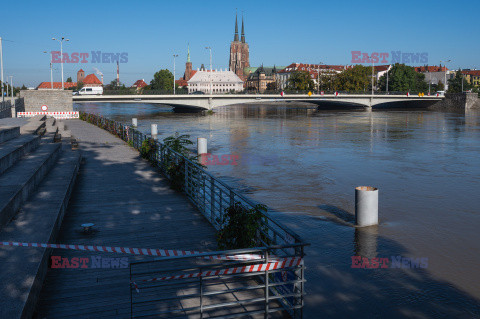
x: 282, y: 288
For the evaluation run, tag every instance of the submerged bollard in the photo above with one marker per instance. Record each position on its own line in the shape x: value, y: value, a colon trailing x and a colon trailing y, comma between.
x: 201, y: 145
x: 366, y: 206
x: 154, y: 130
x: 134, y: 122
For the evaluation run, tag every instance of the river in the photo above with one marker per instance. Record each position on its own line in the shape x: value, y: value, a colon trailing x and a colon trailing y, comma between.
x: 305, y: 163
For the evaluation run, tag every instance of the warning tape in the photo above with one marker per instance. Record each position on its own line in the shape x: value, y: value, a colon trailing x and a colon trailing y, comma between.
x: 275, y: 263
x: 58, y: 115
x: 278, y: 264
x: 134, y: 251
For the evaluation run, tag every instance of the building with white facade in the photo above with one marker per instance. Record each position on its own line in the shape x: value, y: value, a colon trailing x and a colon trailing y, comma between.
x: 217, y: 82
x: 313, y: 69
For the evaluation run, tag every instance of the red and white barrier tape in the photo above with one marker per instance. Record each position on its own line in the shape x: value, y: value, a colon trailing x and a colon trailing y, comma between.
x: 59, y: 115
x: 278, y: 264
x: 275, y: 262
x: 133, y: 251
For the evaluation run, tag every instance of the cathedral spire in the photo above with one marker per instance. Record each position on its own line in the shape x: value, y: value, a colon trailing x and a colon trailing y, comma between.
x: 235, y: 38
x: 188, y: 53
x: 243, y: 31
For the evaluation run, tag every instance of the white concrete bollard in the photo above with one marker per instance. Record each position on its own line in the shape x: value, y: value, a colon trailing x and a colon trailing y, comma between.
x: 366, y: 206
x: 201, y: 145
x: 154, y: 130
x: 134, y: 122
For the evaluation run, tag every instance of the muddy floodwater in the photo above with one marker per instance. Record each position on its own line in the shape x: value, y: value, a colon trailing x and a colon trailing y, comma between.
x: 306, y: 163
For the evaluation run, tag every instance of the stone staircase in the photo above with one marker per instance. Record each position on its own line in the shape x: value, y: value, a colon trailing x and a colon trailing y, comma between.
x: 38, y: 169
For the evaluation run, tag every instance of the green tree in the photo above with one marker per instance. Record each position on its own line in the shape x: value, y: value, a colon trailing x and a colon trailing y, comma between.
x: 23, y: 87
x: 455, y: 84
x: 300, y: 80
x: 354, y: 79
x: 403, y: 78
x: 69, y: 79
x: 440, y: 86
x: 162, y: 80
x: 79, y: 86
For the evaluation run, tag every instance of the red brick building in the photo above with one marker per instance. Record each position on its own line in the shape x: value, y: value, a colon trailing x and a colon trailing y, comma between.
x: 239, y: 53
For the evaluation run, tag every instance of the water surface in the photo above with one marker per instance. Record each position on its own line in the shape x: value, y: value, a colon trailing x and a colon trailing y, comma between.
x: 305, y: 163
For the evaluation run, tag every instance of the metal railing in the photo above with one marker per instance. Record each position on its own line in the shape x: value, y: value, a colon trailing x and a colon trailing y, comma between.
x: 230, y: 295
x: 213, y: 197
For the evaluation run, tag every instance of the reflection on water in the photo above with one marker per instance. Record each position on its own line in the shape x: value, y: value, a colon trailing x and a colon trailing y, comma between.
x: 366, y: 241
x: 306, y: 163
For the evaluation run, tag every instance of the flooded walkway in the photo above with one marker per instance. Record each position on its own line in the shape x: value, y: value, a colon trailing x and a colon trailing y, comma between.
x: 131, y: 205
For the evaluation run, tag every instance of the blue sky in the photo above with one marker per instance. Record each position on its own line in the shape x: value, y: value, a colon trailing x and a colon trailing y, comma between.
x: 278, y: 32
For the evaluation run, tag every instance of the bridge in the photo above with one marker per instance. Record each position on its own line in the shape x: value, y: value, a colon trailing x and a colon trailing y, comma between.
x: 209, y: 102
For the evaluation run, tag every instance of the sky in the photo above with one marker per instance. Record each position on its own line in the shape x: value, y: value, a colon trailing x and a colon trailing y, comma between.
x: 278, y: 33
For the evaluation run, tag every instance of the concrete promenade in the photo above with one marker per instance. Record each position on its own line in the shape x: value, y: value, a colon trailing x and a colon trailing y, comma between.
x: 131, y: 205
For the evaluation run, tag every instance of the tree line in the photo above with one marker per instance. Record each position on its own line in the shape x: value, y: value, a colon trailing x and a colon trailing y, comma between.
x: 401, y: 78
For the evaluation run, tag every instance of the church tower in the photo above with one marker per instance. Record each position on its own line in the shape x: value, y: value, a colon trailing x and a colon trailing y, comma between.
x: 80, y: 75
x: 188, y: 66
x: 239, y: 53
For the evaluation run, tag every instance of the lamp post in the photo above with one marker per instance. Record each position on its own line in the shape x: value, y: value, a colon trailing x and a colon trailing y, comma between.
x: 318, y: 78
x: 174, y: 56
x: 211, y: 86
x: 61, y: 52
x: 370, y: 57
x: 11, y: 85
x: 1, y: 66
x: 51, y: 71
x: 445, y: 66
x: 388, y: 70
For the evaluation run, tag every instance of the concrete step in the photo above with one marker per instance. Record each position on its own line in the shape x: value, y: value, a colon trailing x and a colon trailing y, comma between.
x: 8, y: 133
x: 34, y: 125
x: 24, y: 269
x: 20, y: 181
x: 13, y: 150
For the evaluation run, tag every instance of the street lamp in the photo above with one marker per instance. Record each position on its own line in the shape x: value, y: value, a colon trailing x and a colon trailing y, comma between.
x: 211, y: 86
x: 370, y: 57
x: 174, y: 56
x: 61, y: 52
x: 51, y: 71
x: 318, y: 78
x: 1, y: 67
x: 445, y: 66
x: 11, y: 85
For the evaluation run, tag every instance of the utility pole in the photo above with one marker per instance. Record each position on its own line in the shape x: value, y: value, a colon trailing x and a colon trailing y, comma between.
x: 174, y: 56
x: 1, y: 66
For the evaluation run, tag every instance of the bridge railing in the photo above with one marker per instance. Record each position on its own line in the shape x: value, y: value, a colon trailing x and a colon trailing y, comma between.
x: 213, y: 198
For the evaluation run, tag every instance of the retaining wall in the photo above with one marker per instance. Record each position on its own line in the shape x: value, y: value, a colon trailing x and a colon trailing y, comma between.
x: 458, y: 101
x: 55, y: 100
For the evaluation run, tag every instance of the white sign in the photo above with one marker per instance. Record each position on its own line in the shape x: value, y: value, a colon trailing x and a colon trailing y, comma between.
x: 44, y: 108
